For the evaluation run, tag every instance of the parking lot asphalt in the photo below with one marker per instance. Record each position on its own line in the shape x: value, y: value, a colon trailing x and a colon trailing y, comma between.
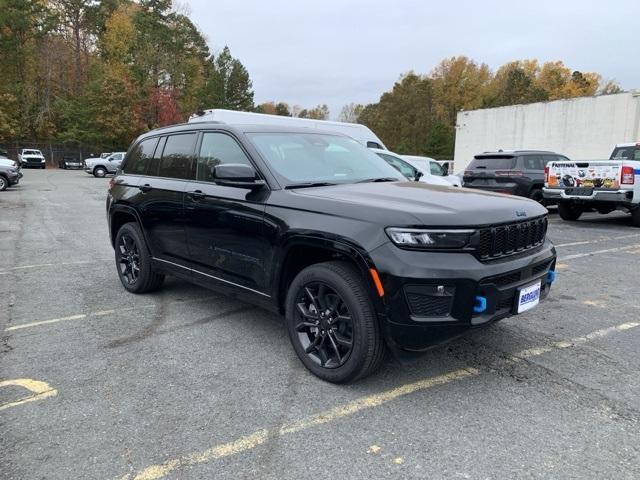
x: 184, y: 383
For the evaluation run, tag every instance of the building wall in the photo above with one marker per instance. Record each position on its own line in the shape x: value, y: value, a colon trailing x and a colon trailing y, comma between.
x: 581, y: 128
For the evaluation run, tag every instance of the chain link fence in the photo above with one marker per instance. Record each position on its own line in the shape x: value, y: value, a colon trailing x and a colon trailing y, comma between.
x: 55, y: 153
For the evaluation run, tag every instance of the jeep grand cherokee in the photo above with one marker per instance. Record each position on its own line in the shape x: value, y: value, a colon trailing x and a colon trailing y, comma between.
x: 314, y: 226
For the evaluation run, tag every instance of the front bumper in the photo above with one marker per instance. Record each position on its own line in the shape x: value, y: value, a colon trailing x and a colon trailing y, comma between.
x: 14, y: 179
x: 430, y: 296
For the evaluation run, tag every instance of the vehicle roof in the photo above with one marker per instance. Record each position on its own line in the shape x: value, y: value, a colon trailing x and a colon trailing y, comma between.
x: 628, y: 144
x: 236, y: 128
x: 508, y: 153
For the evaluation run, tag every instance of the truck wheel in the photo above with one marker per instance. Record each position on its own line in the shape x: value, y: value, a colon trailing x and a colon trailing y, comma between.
x: 134, y: 262
x: 4, y: 183
x: 536, y: 195
x: 332, y: 323
x: 569, y: 211
x: 635, y: 216
x: 99, y: 172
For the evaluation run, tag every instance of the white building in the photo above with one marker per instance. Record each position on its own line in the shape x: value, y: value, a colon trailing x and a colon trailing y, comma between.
x: 582, y: 128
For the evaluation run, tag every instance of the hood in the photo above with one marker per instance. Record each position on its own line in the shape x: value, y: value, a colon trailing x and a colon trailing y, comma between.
x: 420, y: 204
x: 93, y: 159
x: 31, y: 155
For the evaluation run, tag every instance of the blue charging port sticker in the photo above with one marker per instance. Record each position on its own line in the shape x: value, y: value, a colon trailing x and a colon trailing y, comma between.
x: 481, y: 304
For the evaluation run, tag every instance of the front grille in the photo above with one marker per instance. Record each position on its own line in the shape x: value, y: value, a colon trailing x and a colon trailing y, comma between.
x: 428, y: 306
x: 505, y: 303
x: 502, y: 280
x: 512, y: 238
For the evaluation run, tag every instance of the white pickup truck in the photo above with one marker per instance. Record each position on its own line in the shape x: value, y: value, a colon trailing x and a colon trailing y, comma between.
x: 602, y: 186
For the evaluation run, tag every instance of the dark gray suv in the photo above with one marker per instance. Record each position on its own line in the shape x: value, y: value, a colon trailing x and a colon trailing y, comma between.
x: 518, y: 172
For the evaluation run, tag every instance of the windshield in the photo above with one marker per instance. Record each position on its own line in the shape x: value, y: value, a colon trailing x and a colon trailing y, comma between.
x: 626, y: 153
x: 31, y: 152
x: 317, y: 158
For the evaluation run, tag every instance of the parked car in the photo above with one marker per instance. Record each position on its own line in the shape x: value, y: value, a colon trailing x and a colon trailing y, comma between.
x: 602, y: 185
x: 360, y: 133
x: 315, y: 226
x: 29, y: 157
x: 432, y: 167
x: 9, y: 175
x: 99, y: 167
x: 70, y: 161
x: 408, y: 170
x: 6, y: 161
x: 518, y: 172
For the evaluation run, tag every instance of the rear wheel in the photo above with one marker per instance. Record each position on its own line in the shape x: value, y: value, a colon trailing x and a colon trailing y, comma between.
x: 134, y: 262
x: 537, y: 195
x: 99, y: 172
x: 569, y: 211
x: 635, y: 216
x: 332, y: 323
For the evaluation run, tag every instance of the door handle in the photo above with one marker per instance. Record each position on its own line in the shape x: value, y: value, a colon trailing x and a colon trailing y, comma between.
x: 145, y: 188
x: 197, y: 194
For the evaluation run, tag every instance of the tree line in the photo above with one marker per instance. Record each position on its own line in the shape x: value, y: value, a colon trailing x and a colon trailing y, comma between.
x: 418, y: 115
x: 88, y: 72
x: 102, y: 72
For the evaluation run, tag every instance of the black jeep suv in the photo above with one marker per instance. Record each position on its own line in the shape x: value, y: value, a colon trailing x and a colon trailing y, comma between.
x: 519, y: 172
x: 315, y: 226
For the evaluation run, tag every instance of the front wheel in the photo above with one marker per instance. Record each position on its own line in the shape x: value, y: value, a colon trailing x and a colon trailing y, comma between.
x: 134, y: 262
x: 4, y: 183
x: 99, y: 172
x: 332, y: 323
x: 569, y: 211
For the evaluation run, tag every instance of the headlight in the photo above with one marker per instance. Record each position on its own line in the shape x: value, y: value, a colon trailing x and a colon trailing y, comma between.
x: 430, y: 239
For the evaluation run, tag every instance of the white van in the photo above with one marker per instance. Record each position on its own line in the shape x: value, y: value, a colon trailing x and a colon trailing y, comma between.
x: 358, y: 132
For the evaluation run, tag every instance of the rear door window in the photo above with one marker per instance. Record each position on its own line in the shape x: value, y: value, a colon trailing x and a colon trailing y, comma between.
x: 533, y: 162
x: 138, y: 157
x: 177, y: 156
x: 218, y: 149
x: 493, y: 162
x: 437, y: 169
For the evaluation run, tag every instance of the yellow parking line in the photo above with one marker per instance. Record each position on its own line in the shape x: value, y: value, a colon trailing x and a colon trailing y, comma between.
x: 251, y: 441
x: 99, y: 313
x: 40, y: 391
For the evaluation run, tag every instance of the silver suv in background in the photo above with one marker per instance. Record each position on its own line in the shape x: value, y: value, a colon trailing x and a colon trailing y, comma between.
x: 99, y: 167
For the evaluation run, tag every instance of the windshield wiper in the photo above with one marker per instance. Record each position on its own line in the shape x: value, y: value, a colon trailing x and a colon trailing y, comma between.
x: 381, y: 179
x: 309, y: 184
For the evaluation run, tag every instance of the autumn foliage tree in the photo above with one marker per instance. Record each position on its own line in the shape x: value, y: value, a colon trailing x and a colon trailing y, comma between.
x: 418, y: 115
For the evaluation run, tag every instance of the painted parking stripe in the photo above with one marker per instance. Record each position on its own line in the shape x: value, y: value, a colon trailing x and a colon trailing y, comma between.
x: 99, y: 313
x: 249, y: 442
x: 47, y: 265
x: 39, y: 391
x: 598, y: 240
x: 598, y: 252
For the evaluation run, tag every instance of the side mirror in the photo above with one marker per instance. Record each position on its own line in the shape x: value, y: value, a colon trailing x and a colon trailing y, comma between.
x: 237, y: 175
x: 447, y: 168
x: 418, y: 176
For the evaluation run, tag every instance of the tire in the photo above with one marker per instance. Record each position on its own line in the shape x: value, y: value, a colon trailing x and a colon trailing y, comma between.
x: 536, y: 195
x: 99, y: 172
x: 354, y: 340
x: 635, y: 216
x: 4, y: 183
x: 569, y: 211
x: 133, y: 261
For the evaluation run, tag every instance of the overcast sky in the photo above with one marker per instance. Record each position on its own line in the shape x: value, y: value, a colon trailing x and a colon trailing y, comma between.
x: 308, y: 52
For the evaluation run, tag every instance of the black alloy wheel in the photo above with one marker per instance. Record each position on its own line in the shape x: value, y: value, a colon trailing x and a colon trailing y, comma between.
x: 332, y: 322
x: 323, y: 325
x: 128, y: 259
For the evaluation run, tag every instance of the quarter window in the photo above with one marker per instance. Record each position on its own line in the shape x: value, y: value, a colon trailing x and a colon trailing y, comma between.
x: 139, y: 156
x: 533, y: 162
x: 436, y: 169
x: 218, y: 149
x: 177, y: 155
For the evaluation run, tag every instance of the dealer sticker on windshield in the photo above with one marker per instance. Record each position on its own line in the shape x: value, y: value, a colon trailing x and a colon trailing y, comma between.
x: 528, y: 297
